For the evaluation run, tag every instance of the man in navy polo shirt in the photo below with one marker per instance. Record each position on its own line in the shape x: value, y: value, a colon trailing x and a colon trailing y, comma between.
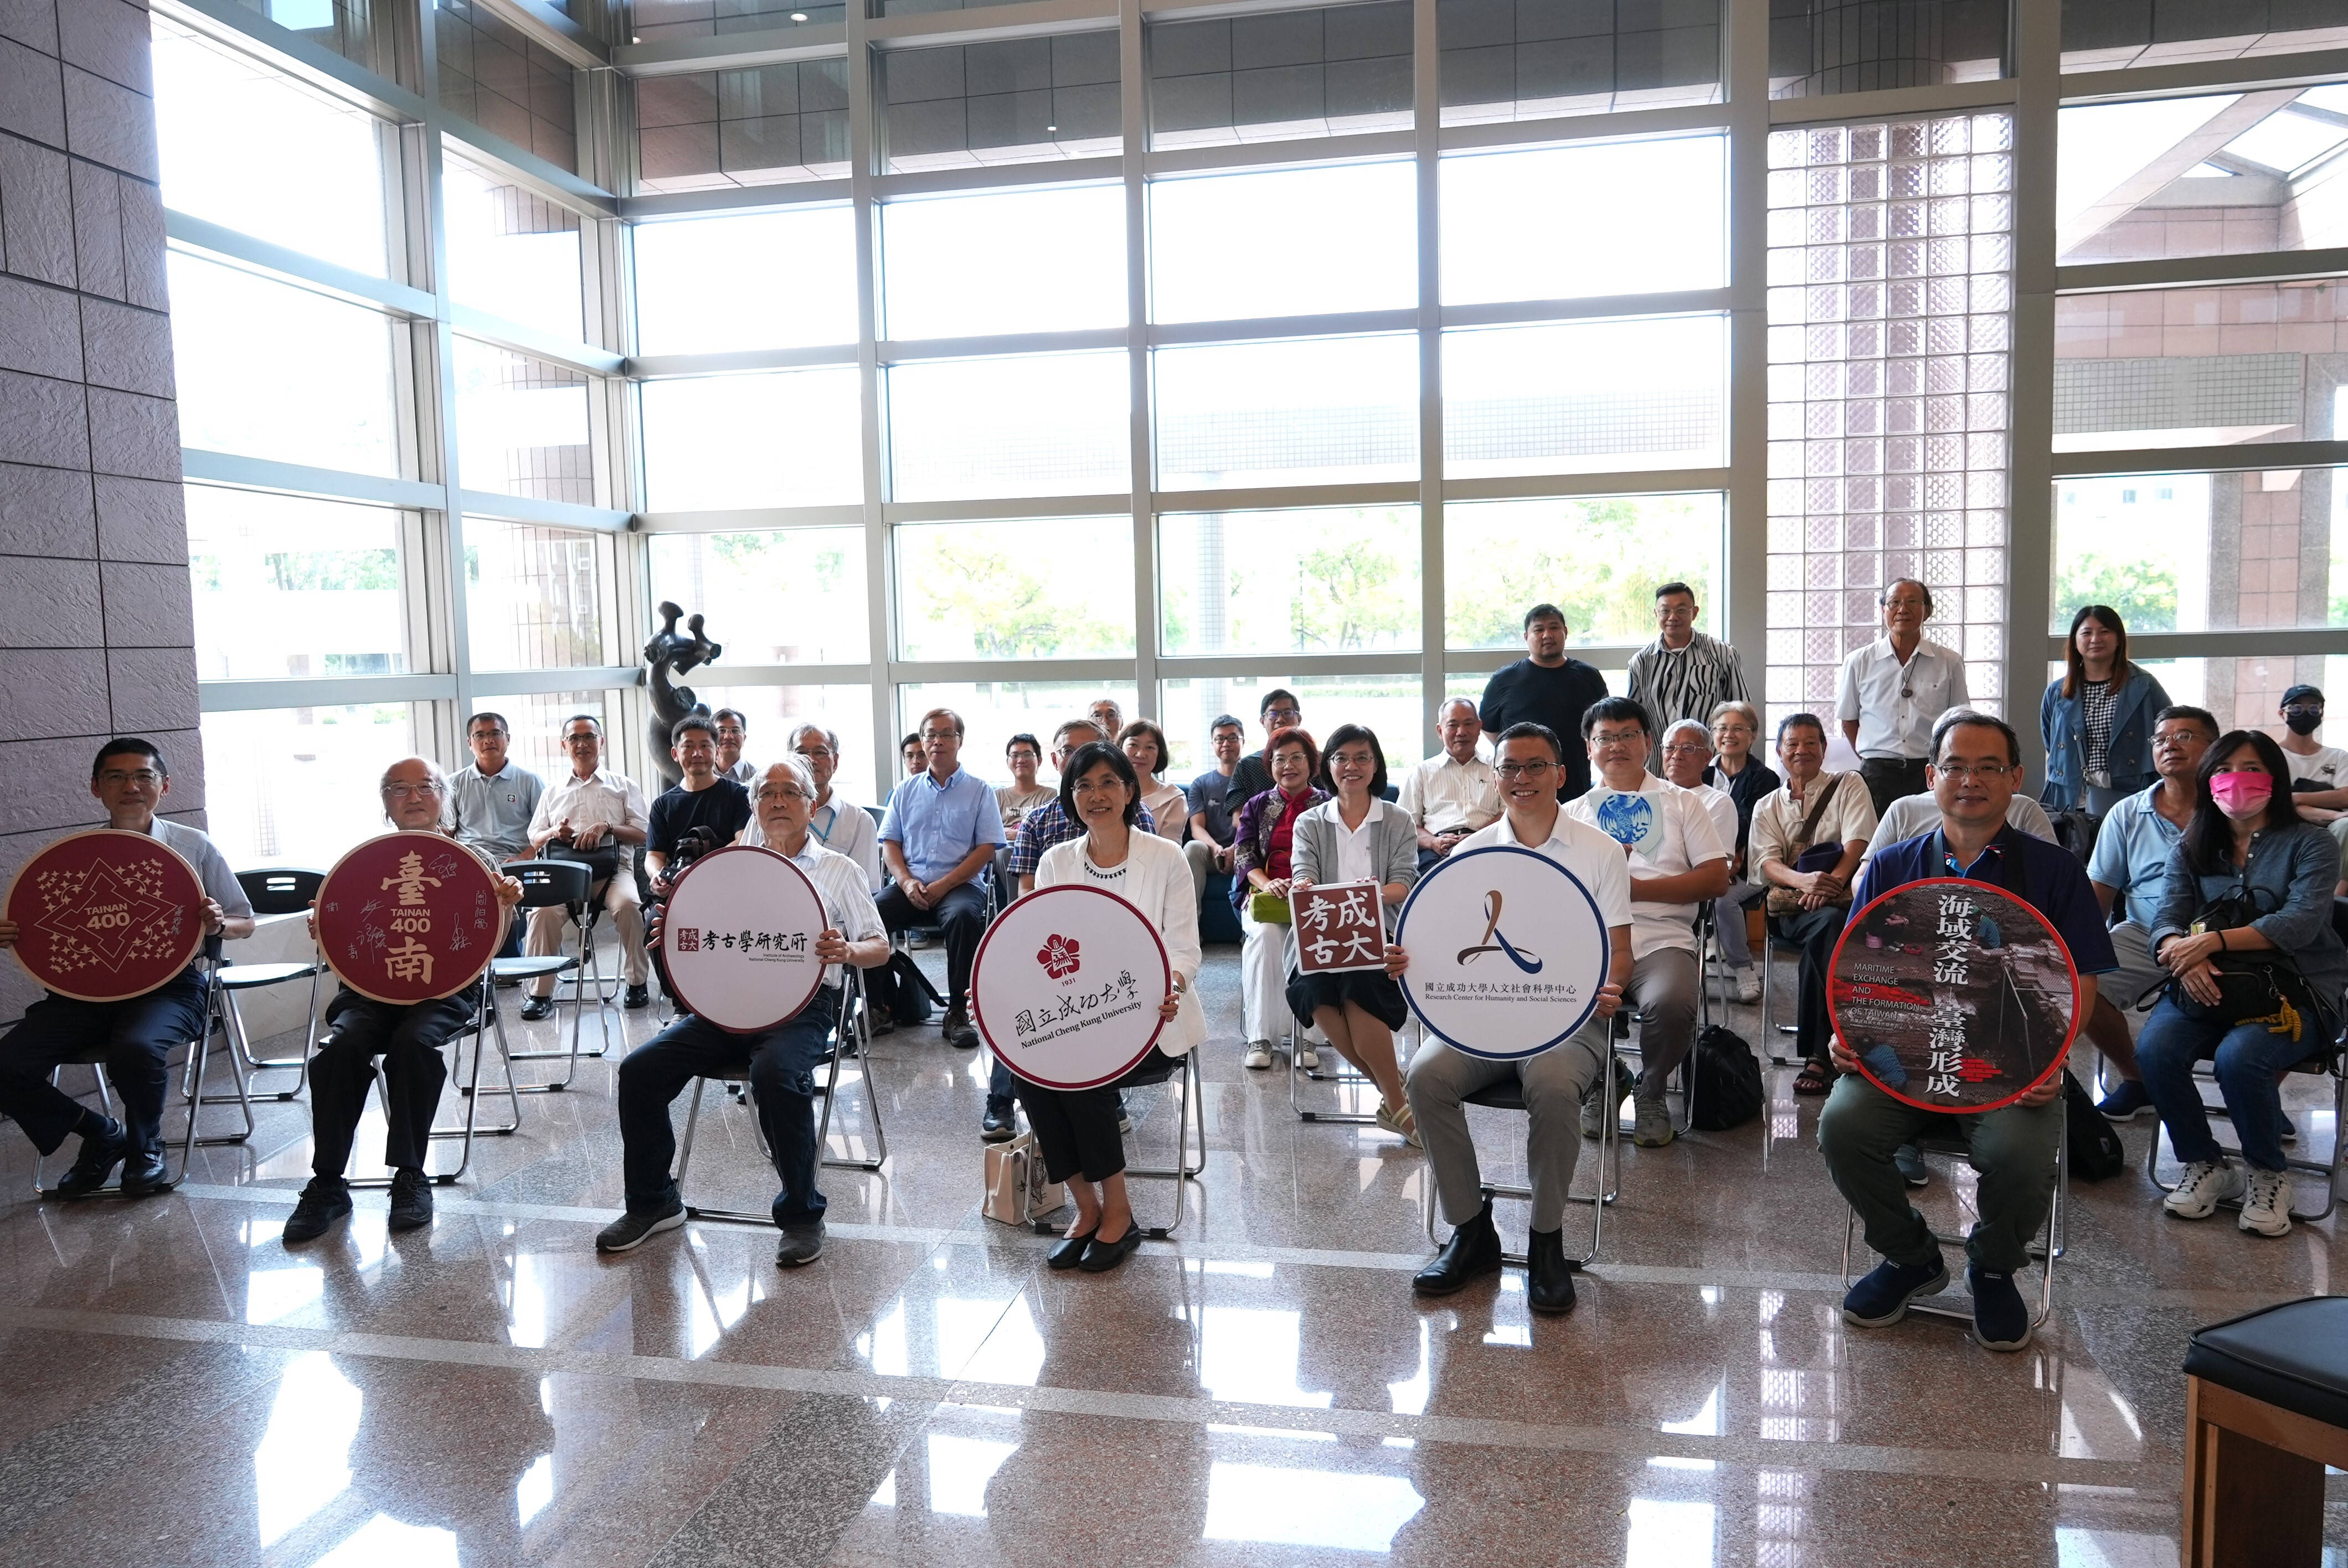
x: 942, y: 830
x: 1976, y: 766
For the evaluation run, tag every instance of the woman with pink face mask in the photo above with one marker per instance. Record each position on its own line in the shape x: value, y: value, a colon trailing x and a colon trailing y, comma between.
x: 2256, y: 975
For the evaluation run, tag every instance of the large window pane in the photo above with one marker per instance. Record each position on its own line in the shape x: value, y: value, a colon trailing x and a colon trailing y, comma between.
x: 789, y: 439
x: 769, y: 125
x: 995, y: 711
x: 772, y: 713
x: 1586, y: 397
x: 297, y: 786
x: 1340, y: 579
x: 1032, y: 424
x: 2204, y: 552
x: 1621, y: 217
x: 1292, y: 242
x: 760, y: 280
x: 535, y: 721
x: 651, y: 20
x: 285, y: 586
x: 1867, y: 46
x: 1596, y: 557
x: 2203, y: 175
x: 246, y: 146
x: 1003, y: 589
x: 1330, y: 72
x: 1391, y: 705
x: 512, y: 252
x: 346, y: 26
x: 521, y: 426
x: 2197, y: 367
x: 1525, y: 59
x: 267, y: 370
x: 498, y: 77
x: 1314, y: 411
x: 1022, y: 100
x: 736, y: 580
x: 1027, y: 261
x: 535, y: 598
x: 2113, y: 35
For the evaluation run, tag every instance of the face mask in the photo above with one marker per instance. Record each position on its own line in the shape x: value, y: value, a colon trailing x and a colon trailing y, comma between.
x: 2302, y: 722
x: 2239, y: 795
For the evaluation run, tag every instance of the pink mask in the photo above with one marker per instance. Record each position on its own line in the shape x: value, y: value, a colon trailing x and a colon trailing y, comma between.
x: 2239, y: 795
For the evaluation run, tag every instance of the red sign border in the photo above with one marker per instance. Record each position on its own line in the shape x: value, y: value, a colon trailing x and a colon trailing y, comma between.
x: 439, y: 840
x: 979, y: 1017
x: 668, y: 927
x: 155, y: 841
x: 2070, y: 964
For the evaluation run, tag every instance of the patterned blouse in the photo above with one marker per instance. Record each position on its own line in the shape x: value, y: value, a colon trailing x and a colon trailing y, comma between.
x: 1252, y: 836
x: 2097, y: 699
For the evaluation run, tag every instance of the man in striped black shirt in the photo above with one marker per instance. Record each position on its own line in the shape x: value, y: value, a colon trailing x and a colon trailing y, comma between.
x: 1682, y: 673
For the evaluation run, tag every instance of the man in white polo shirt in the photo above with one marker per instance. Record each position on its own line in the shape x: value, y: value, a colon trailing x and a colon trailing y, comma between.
x: 1894, y: 690
x: 1449, y: 796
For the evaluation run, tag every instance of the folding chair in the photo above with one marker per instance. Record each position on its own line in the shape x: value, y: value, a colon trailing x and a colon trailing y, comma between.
x: 485, y: 1025
x: 1190, y: 1085
x: 2326, y: 1063
x: 2054, y: 1240
x: 1772, y: 1031
x: 1508, y: 1094
x: 191, y: 1085
x: 275, y: 890
x: 547, y: 884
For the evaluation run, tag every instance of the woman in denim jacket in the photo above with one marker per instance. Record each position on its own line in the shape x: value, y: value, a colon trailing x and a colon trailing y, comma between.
x: 2246, y: 842
x: 2097, y: 719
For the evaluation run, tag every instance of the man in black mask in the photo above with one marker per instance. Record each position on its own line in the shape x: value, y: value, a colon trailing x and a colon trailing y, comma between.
x: 2319, y: 773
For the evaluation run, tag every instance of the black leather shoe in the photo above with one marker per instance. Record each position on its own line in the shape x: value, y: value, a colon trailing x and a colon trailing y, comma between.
x: 537, y: 1008
x: 1069, y: 1250
x: 325, y: 1200
x: 411, y: 1200
x: 142, y: 1173
x: 1100, y: 1256
x: 998, y: 1126
x: 637, y: 997
x: 1473, y: 1251
x: 101, y: 1151
x: 1549, y: 1282
x: 958, y: 1032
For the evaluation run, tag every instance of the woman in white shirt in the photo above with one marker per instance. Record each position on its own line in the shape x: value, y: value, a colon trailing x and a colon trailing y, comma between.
x: 1078, y: 1129
x: 1169, y: 808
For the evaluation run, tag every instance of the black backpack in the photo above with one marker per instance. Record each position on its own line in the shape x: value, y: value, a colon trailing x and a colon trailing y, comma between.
x: 1726, y: 1082
x: 2095, y: 1153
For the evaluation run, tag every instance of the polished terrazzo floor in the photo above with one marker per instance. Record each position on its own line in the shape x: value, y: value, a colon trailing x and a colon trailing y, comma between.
x: 178, y: 1388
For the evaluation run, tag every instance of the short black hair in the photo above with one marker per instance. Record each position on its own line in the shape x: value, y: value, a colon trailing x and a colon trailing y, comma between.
x: 1222, y: 719
x: 909, y: 741
x: 1543, y: 611
x: 1023, y: 738
x: 1670, y: 589
x: 1529, y: 730
x: 497, y: 718
x: 2201, y: 716
x: 589, y: 717
x: 700, y: 721
x: 1277, y: 694
x: 1625, y: 709
x: 733, y: 714
x: 1089, y: 756
x: 1801, y: 721
x: 1956, y: 717
x: 1346, y: 734
x: 128, y: 746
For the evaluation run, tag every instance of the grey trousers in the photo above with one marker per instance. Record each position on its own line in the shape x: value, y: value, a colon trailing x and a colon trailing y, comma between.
x: 1663, y: 994
x: 1554, y: 1083
x: 2013, y: 1148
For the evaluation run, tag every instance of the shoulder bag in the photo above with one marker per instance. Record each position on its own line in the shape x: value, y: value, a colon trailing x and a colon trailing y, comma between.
x: 1807, y: 856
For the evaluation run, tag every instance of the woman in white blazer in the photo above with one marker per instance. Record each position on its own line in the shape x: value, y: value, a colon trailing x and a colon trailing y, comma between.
x: 1077, y: 1130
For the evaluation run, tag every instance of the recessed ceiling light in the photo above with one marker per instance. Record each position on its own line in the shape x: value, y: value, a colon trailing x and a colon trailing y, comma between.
x: 1055, y: 129
x: 798, y: 15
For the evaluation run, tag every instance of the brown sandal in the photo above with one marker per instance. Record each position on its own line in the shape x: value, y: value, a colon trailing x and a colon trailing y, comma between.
x: 1814, y: 1078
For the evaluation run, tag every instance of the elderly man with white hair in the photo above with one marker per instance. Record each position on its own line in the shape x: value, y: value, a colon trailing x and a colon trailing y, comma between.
x: 407, y: 1036
x: 780, y: 1061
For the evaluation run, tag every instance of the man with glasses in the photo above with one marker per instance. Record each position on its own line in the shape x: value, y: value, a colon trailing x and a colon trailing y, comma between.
x: 1208, y: 844
x: 1682, y: 673
x: 940, y: 831
x: 492, y: 799
x: 1553, y: 1082
x: 589, y: 811
x: 1892, y: 691
x: 1806, y: 844
x: 129, y: 780
x: 1449, y: 796
x: 1676, y: 860
x: 1548, y: 689
x: 839, y: 824
x: 704, y: 799
x: 733, y: 729
x: 1279, y: 710
x: 1976, y: 766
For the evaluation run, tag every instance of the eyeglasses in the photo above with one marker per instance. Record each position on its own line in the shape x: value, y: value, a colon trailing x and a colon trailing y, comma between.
x: 1620, y: 737
x: 408, y: 791
x: 1984, y: 770
x: 2176, y: 741
x: 812, y: 752
x: 1282, y: 715
x: 1353, y: 760
x: 138, y: 777
x: 582, y: 740
x: 928, y: 735
x: 1523, y: 770
x: 1688, y: 749
x: 782, y: 791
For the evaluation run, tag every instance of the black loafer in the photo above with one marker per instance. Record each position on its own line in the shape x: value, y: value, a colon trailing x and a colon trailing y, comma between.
x: 537, y: 1008
x: 1473, y: 1251
x: 143, y: 1172
x: 100, y: 1152
x: 1100, y: 1256
x: 1549, y: 1278
x: 1069, y: 1251
x: 637, y: 997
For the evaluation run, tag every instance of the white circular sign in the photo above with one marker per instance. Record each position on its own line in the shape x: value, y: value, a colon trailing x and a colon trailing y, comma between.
x: 1066, y: 986
x: 1506, y: 951
x: 739, y: 937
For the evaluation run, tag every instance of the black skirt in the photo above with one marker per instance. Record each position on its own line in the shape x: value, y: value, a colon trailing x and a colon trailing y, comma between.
x: 1373, y: 991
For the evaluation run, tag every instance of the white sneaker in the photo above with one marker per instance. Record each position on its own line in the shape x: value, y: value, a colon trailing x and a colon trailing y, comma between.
x: 1306, y: 1057
x: 1259, y: 1054
x: 2266, y: 1203
x: 1748, y: 986
x: 2207, y: 1184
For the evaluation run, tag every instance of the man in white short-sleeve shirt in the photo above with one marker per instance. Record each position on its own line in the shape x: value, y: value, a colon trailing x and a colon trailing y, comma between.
x: 1840, y: 818
x: 1449, y: 796
x: 1892, y: 692
x: 1677, y: 861
x: 1530, y: 761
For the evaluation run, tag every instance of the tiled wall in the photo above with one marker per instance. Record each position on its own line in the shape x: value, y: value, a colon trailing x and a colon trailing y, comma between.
x: 96, y: 633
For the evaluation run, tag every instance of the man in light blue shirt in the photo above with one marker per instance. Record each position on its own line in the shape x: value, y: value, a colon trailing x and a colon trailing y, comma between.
x: 2131, y: 862
x: 942, y: 830
x: 492, y: 801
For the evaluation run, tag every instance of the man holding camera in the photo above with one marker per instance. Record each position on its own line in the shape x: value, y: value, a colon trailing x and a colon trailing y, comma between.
x: 597, y: 816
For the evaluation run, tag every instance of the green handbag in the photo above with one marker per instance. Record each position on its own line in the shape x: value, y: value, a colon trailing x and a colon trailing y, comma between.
x: 1268, y: 909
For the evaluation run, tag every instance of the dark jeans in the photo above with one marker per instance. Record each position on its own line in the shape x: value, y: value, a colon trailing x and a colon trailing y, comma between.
x: 1817, y: 931
x: 139, y: 1036
x: 2248, y: 1060
x: 781, y: 1064
x: 1891, y: 778
x: 1077, y: 1128
x: 961, y: 915
x: 409, y: 1039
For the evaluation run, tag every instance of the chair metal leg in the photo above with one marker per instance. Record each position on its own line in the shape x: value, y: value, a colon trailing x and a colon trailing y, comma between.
x: 852, y: 1040
x: 2054, y: 1242
x: 684, y: 1160
x: 216, y: 1021
x: 585, y: 977
x: 1344, y: 1077
x: 2329, y: 1169
x: 1192, y: 1085
x: 1609, y: 1184
x: 487, y: 1026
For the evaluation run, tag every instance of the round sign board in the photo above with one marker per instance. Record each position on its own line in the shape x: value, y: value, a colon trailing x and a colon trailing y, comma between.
x: 1506, y: 951
x: 408, y: 916
x: 1066, y: 986
x: 106, y: 915
x: 1954, y: 994
x: 738, y: 936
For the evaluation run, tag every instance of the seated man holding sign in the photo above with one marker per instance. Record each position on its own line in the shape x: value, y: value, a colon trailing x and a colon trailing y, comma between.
x: 1974, y: 770
x: 1532, y: 763
x: 781, y: 1060
x: 130, y: 780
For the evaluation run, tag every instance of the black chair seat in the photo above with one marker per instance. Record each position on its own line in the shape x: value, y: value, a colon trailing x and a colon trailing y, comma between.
x: 528, y: 967
x: 1508, y: 1094
x: 2293, y: 1356
x: 250, y: 976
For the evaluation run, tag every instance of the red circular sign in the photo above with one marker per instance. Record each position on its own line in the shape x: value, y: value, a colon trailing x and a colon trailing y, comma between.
x: 1953, y: 994
x: 408, y: 916
x: 107, y: 915
x: 738, y: 936
x: 1066, y: 985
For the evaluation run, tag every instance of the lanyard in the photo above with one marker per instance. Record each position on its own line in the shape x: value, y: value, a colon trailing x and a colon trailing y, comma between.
x: 824, y: 833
